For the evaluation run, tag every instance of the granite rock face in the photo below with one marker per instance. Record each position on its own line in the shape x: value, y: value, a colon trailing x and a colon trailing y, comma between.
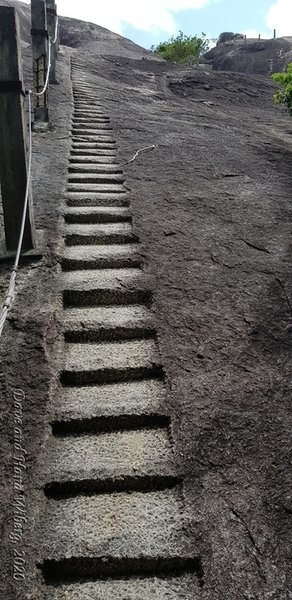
x: 228, y: 36
x: 254, y: 57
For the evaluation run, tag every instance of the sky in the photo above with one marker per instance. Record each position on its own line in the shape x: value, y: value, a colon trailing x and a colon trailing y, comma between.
x: 148, y: 22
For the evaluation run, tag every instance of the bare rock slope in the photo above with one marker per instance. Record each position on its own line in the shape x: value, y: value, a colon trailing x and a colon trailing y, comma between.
x: 212, y: 209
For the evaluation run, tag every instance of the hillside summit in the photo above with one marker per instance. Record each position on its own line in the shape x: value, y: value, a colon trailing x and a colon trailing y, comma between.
x: 254, y: 57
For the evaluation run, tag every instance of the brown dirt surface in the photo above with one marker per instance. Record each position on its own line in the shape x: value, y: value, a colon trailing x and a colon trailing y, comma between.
x: 212, y: 207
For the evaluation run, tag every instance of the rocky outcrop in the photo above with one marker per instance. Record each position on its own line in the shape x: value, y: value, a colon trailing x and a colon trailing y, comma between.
x: 228, y: 36
x: 254, y: 57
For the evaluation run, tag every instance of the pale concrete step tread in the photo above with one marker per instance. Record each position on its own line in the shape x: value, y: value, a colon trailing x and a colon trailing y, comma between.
x: 106, y: 278
x: 104, y: 195
x: 106, y: 287
x: 89, y: 114
x: 110, y: 456
x: 107, y: 188
x: 83, y: 123
x: 102, y: 228
x: 100, y: 251
x: 104, y: 233
x: 90, y: 121
x: 92, y: 160
x: 81, y: 358
x: 95, y: 177
x: 96, y: 214
x: 91, y: 168
x: 115, y: 525
x: 107, y: 210
x: 91, y: 136
x: 94, y: 318
x: 150, y: 588
x: 78, y: 199
x: 92, y: 153
x: 117, y: 400
x: 100, y: 147
x: 96, y: 131
x: 98, y: 256
x: 80, y: 141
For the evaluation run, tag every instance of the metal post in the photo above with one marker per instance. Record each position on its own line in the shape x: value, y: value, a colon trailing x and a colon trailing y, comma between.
x: 275, y: 34
x: 39, y: 34
x: 58, y: 37
x: 52, y: 20
x: 13, y: 167
x: 259, y: 36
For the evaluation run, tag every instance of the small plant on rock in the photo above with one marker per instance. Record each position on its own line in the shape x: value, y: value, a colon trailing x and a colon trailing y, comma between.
x: 284, y: 96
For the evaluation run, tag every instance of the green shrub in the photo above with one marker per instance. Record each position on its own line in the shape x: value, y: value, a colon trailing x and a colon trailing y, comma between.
x: 183, y: 48
x: 284, y: 96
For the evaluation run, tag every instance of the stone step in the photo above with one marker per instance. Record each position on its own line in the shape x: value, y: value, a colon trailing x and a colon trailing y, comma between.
x: 92, y: 138
x: 185, y: 587
x: 107, y: 287
x: 83, y: 99
x: 106, y: 169
x: 85, y: 91
x: 103, y: 132
x: 101, y: 214
x: 115, y: 461
x: 90, y: 119
x: 107, y: 323
x: 112, y: 407
x: 99, y: 233
x: 97, y: 199
x: 106, y: 146
x: 84, y: 95
x: 116, y: 534
x: 78, y: 103
x: 101, y: 257
x: 91, y: 123
x: 88, y: 160
x: 84, y: 110
x: 110, y: 362
x: 99, y: 177
x: 88, y: 127
x: 92, y: 188
x: 92, y: 152
x: 90, y: 111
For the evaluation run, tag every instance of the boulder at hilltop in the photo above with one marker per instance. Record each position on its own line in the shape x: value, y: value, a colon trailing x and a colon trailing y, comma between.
x: 228, y: 36
x: 254, y: 57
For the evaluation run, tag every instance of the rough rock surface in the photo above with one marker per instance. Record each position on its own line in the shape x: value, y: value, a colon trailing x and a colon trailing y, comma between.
x: 212, y: 207
x: 256, y: 57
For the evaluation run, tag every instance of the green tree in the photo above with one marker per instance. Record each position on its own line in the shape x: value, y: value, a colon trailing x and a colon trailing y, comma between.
x: 183, y: 48
x: 284, y: 96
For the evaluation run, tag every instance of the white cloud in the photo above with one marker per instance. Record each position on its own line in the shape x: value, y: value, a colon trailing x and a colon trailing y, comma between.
x: 149, y: 15
x: 279, y: 17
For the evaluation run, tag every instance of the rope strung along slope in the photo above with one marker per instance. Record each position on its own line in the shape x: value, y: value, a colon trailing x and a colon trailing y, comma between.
x: 7, y: 304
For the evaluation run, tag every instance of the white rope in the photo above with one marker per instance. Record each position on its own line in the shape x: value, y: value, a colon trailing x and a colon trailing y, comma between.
x: 56, y: 31
x: 51, y: 42
x: 11, y: 289
x: 137, y: 154
x: 48, y: 72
